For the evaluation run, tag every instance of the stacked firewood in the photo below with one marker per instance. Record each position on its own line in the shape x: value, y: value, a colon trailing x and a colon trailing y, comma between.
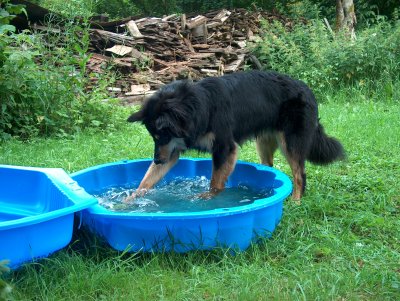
x: 150, y: 52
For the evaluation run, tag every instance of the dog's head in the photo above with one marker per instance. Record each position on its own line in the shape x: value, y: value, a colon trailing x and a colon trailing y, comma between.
x: 167, y: 117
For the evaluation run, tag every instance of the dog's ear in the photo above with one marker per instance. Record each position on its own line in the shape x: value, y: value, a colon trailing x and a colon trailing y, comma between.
x: 164, y: 121
x: 137, y: 116
x: 172, y: 122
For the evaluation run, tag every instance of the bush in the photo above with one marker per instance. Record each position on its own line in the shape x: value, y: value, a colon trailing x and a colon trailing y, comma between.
x: 5, y: 288
x: 70, y: 8
x: 310, y: 52
x: 116, y: 8
x: 43, y: 86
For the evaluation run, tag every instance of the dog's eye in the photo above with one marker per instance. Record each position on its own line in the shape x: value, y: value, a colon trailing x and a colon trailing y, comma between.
x: 157, y: 137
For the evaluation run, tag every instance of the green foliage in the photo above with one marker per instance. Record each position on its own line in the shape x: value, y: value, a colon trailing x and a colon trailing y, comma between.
x: 5, y: 288
x: 305, y: 8
x: 43, y: 86
x: 7, y: 13
x: 70, y: 8
x: 311, y: 53
x: 117, y: 8
x: 86, y: 8
x: 385, y: 8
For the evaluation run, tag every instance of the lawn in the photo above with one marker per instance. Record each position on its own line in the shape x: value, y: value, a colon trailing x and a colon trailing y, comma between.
x: 341, y: 243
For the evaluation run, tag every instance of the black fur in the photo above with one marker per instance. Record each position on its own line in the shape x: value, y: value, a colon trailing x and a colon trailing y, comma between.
x: 235, y: 108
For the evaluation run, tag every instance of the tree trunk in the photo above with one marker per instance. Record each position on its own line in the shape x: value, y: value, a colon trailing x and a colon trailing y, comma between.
x: 346, y: 17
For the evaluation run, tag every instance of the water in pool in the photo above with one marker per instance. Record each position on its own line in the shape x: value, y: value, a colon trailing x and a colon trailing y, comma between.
x: 180, y: 195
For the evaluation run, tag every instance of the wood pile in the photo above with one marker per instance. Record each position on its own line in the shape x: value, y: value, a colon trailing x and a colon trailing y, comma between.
x: 149, y: 52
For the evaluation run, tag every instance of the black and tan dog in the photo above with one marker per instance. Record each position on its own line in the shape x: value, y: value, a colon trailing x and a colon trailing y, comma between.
x: 217, y: 114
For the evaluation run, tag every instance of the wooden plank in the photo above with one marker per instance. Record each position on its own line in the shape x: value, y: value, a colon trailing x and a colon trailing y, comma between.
x: 133, y: 29
x: 234, y: 66
x: 122, y: 62
x: 167, y: 18
x: 120, y: 50
x: 144, y: 94
x: 116, y: 38
x: 183, y: 21
x: 222, y: 16
x: 195, y: 22
x: 128, y: 100
x: 211, y: 71
x: 189, y: 44
x: 201, y: 46
x: 200, y: 55
x: 139, y: 89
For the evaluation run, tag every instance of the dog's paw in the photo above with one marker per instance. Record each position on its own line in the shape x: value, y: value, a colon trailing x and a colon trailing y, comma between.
x: 137, y: 194
x: 122, y: 206
x: 207, y: 195
x: 296, y: 200
x: 129, y: 199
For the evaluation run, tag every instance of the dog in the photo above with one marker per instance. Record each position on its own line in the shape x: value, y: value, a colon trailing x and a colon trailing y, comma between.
x: 217, y: 114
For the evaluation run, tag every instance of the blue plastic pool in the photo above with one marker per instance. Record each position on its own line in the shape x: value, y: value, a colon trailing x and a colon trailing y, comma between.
x: 234, y: 227
x: 37, y: 207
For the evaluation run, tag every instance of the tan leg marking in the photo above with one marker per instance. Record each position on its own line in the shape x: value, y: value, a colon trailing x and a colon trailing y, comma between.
x: 297, y: 170
x: 266, y: 145
x: 154, y: 173
x: 206, y: 142
x: 220, y: 176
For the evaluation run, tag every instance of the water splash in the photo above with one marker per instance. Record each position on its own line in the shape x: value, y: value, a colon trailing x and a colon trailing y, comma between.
x: 180, y: 195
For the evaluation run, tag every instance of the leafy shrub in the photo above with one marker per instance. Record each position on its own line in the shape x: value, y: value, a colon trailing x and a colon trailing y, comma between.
x: 116, y: 8
x: 311, y: 53
x: 5, y: 289
x: 43, y: 86
x: 86, y: 8
x: 70, y: 8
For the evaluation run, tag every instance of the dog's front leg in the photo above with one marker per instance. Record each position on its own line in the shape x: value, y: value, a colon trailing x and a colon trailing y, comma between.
x: 154, y: 173
x: 224, y: 161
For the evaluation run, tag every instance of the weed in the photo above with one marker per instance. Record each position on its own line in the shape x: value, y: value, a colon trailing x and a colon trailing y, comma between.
x: 43, y: 86
x: 309, y: 52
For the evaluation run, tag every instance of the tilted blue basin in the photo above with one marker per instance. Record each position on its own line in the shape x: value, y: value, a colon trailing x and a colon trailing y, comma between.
x: 37, y: 207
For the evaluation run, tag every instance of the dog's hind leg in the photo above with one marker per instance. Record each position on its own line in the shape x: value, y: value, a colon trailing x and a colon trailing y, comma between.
x: 266, y: 145
x: 153, y: 175
x: 297, y: 164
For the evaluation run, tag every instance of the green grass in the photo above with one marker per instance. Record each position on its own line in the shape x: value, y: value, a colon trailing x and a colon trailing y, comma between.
x: 342, y: 243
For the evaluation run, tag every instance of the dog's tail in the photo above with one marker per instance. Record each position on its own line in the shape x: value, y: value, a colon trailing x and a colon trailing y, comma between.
x: 325, y: 149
